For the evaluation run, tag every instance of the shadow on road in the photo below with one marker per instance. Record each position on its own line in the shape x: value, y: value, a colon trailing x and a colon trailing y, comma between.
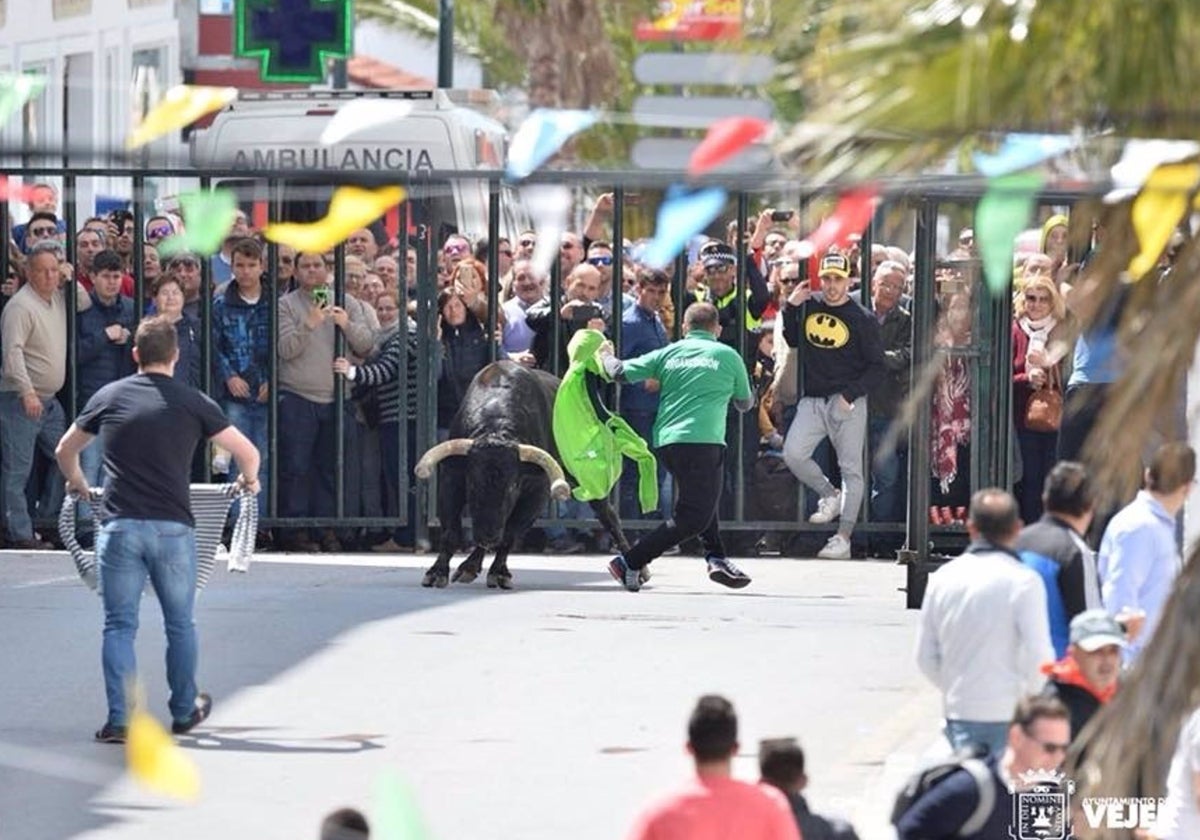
x: 252, y: 628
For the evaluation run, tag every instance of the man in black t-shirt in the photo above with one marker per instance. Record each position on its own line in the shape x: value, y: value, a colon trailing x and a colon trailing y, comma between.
x: 150, y: 426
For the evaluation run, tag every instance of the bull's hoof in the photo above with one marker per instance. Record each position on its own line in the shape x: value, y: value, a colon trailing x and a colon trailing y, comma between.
x: 501, y: 581
x: 435, y: 578
x: 464, y: 575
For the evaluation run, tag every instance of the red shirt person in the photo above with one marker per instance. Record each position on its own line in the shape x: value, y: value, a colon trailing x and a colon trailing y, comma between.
x: 714, y: 805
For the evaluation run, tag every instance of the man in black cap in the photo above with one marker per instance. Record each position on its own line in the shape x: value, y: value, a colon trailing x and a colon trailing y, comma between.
x: 843, y: 361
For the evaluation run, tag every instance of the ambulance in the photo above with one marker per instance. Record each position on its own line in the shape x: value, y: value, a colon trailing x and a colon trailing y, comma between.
x: 279, y: 132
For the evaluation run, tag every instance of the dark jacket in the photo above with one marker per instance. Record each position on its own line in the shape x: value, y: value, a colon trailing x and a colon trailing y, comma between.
x: 98, y: 360
x: 895, y: 332
x: 466, y: 351
x: 187, y: 370
x: 843, y: 348
x: 814, y: 826
x: 1067, y: 568
x: 940, y: 813
x: 540, y: 318
x: 1080, y: 702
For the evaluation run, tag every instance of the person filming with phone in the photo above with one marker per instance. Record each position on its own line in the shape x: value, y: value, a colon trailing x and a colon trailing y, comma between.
x: 309, y: 319
x: 577, y: 311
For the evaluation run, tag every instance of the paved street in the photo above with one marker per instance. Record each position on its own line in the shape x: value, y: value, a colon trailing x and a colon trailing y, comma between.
x: 553, y: 711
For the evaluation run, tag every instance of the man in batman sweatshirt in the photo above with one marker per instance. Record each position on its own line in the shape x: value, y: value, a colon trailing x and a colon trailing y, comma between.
x: 841, y: 360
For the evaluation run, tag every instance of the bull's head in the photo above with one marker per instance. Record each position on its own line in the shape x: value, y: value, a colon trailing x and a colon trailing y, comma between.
x: 493, y: 480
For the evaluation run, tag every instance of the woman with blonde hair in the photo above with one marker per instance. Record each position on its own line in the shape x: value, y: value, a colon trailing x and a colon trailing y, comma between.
x: 1038, y: 349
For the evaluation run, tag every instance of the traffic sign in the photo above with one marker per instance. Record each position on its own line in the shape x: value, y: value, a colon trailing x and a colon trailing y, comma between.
x: 674, y: 153
x: 672, y: 68
x: 292, y: 39
x: 695, y: 111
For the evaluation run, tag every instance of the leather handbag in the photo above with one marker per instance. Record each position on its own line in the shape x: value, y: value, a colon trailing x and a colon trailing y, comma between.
x: 1044, y: 410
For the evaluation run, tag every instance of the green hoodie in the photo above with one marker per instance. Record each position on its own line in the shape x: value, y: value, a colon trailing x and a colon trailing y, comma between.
x: 591, y: 439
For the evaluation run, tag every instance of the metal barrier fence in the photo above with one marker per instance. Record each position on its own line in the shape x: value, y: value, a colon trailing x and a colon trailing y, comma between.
x: 921, y: 207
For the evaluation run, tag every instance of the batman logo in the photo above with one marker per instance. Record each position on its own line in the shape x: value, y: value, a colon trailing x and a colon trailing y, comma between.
x: 826, y: 331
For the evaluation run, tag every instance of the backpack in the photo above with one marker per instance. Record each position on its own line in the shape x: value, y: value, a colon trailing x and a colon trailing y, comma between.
x: 923, y: 781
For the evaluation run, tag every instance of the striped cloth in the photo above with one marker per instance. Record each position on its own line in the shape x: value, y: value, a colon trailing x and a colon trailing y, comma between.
x: 210, y: 505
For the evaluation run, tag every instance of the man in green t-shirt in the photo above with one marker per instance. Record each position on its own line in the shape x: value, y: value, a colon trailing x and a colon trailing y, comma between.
x: 697, y: 377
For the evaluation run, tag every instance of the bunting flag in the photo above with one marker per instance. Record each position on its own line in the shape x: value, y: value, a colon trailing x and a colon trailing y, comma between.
x: 350, y: 209
x: 182, y: 106
x: 207, y: 218
x: 396, y: 816
x: 156, y: 761
x: 725, y: 138
x: 362, y: 115
x: 540, y: 137
x: 1139, y: 159
x: 15, y: 90
x: 851, y: 216
x: 683, y: 214
x: 1022, y: 151
x: 1158, y: 210
x: 549, y: 206
x: 1002, y: 214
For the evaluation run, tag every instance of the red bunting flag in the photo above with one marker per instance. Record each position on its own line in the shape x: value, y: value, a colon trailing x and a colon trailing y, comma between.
x: 725, y: 138
x: 852, y: 214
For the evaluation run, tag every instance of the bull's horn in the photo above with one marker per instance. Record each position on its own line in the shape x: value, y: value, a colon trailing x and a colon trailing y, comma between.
x: 559, y: 488
x: 454, y: 446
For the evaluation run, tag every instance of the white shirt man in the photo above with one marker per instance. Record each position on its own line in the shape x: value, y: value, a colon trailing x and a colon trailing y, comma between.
x: 984, y: 631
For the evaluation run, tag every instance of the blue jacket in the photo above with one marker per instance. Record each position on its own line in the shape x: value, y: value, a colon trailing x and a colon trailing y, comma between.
x: 642, y: 332
x: 99, y: 361
x: 241, y: 339
x: 1068, y: 570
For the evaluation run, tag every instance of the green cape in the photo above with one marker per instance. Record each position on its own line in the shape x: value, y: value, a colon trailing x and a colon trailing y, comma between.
x: 590, y: 438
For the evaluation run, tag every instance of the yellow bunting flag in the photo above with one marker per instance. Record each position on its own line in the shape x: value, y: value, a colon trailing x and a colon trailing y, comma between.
x: 1158, y: 209
x: 350, y: 209
x: 156, y: 761
x: 182, y: 106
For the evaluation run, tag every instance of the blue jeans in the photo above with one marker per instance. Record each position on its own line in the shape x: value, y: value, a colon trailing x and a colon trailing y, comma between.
x: 251, y: 419
x: 20, y: 438
x: 307, y: 457
x: 129, y: 550
x: 991, y: 734
x: 888, y: 479
x: 389, y: 450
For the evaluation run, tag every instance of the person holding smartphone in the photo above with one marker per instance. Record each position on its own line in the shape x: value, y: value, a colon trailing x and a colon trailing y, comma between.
x: 308, y: 322
x: 578, y: 310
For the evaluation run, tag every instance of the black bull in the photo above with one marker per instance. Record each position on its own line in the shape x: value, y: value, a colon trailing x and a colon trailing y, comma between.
x: 501, y: 464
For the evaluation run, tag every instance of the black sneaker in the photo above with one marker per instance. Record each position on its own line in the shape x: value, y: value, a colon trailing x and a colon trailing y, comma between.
x: 109, y: 734
x: 722, y: 571
x: 197, y: 717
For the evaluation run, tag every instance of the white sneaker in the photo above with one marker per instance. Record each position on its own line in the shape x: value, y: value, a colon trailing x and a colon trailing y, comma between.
x: 828, y: 509
x: 838, y: 548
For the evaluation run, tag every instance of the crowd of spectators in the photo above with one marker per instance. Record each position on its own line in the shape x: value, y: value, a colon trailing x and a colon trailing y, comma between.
x: 603, y: 286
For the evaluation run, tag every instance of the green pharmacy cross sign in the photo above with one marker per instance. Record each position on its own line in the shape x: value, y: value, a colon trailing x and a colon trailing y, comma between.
x: 292, y: 38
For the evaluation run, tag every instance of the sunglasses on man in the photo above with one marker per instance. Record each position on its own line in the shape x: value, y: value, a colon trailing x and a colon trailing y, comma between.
x: 159, y: 232
x: 43, y: 231
x: 527, y: 243
x: 599, y: 261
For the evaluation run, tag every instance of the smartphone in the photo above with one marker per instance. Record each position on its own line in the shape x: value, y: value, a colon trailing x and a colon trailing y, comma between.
x: 782, y: 215
x: 321, y: 296
x: 586, y: 312
x: 814, y: 276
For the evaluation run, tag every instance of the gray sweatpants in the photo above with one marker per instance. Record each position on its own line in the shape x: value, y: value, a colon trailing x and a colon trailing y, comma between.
x: 817, y: 419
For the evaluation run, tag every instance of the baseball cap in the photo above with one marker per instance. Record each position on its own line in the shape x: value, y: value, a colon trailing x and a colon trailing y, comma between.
x: 1094, y: 629
x: 835, y: 265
